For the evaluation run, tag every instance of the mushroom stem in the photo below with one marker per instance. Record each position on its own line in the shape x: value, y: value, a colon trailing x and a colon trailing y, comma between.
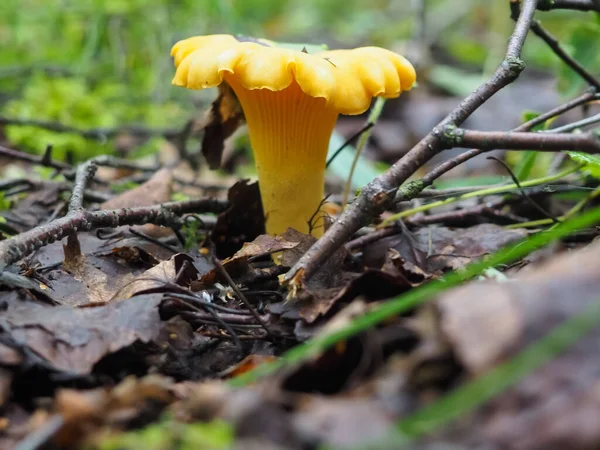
x: 289, y: 132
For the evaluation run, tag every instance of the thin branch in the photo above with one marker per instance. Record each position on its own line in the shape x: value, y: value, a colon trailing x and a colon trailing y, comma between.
x: 240, y: 294
x: 511, y: 140
x: 380, y: 193
x: 490, y: 209
x: 577, y: 5
x: 579, y: 124
x: 524, y: 195
x: 42, y: 161
x: 84, y: 174
x: 167, y: 214
x: 557, y: 186
x: 559, y: 110
x: 374, y: 236
x: 367, y: 126
x: 548, y: 38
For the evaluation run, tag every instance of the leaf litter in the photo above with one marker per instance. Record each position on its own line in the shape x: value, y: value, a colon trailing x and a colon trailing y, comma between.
x: 139, y: 333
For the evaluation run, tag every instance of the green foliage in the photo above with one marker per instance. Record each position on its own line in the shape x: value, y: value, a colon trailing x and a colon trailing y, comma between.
x: 4, y: 204
x: 581, y: 43
x: 592, y: 162
x: 75, y: 102
x: 193, y: 235
x: 531, y: 163
x: 169, y: 434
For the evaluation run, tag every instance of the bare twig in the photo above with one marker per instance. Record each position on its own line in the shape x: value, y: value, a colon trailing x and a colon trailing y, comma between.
x: 85, y: 172
x: 378, y: 194
x: 240, y: 294
x: 593, y: 120
x: 578, y: 5
x: 217, y: 318
x: 557, y: 186
x: 43, y: 161
x: 587, y: 97
x: 367, y: 126
x: 578, y: 101
x: 526, y: 197
x: 548, y: 38
x: 490, y: 209
x: 362, y: 241
x: 514, y: 140
x: 167, y: 214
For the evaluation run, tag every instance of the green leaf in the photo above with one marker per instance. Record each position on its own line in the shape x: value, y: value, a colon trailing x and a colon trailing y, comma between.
x: 592, y: 162
x: 531, y: 161
x: 523, y: 169
x: 4, y: 205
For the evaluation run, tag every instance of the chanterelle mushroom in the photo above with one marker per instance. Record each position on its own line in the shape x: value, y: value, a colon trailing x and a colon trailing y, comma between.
x: 291, y: 101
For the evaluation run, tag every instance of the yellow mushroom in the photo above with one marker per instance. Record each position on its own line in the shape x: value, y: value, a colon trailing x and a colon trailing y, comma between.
x: 291, y: 101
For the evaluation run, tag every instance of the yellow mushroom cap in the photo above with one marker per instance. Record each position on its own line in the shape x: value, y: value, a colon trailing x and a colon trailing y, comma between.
x: 346, y: 79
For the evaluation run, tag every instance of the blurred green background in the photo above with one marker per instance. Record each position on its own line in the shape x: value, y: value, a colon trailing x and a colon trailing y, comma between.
x: 106, y: 63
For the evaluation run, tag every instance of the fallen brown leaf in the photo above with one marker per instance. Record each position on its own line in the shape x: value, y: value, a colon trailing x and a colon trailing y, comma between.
x: 74, y: 340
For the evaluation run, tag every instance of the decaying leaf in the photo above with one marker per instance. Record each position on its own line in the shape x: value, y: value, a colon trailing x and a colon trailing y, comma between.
x: 73, y: 340
x: 89, y: 284
x: 264, y: 244
x: 242, y: 222
x: 179, y: 269
x: 437, y: 249
x: 372, y: 285
x: 222, y: 119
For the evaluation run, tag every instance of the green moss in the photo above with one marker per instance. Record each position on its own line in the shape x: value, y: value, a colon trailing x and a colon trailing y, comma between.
x: 168, y: 435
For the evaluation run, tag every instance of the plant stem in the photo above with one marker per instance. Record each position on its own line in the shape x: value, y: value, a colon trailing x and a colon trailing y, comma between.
x: 362, y: 141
